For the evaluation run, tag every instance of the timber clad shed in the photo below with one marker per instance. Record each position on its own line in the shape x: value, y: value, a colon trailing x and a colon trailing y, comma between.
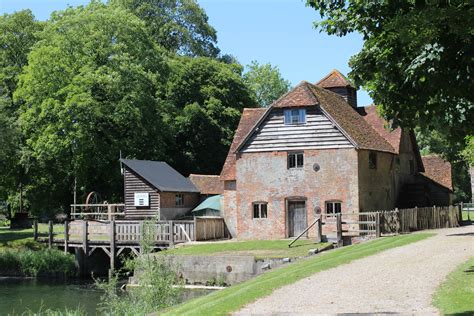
x: 153, y: 189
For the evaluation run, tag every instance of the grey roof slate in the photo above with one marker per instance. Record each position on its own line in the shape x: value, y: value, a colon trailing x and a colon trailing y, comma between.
x: 160, y: 175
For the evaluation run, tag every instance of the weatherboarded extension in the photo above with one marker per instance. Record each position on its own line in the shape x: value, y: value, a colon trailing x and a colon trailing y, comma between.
x: 318, y: 133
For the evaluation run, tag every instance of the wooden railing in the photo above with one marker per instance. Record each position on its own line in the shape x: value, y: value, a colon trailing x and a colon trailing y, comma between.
x: 166, y: 233
x: 466, y: 209
x: 98, y: 211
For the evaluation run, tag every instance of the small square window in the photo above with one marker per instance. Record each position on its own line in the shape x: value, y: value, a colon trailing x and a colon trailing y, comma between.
x: 333, y: 207
x: 295, y: 116
x: 295, y: 160
x: 260, y: 210
x: 372, y: 160
x: 179, y: 199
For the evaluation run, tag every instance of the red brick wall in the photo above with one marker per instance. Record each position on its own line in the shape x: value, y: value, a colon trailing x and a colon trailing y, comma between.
x: 265, y: 177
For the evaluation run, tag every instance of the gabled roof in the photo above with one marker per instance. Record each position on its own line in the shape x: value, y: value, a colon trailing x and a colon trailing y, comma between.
x: 207, y: 184
x: 438, y: 170
x: 248, y: 120
x: 300, y: 95
x: 334, y: 79
x: 393, y: 136
x: 160, y: 175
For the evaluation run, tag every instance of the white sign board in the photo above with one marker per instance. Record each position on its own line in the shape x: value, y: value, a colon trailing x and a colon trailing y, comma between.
x: 142, y: 199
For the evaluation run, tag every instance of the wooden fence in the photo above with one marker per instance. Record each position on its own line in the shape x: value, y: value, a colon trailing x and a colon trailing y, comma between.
x: 411, y: 219
x: 164, y: 233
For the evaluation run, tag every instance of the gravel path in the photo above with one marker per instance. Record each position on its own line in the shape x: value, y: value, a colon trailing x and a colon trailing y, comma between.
x: 400, y: 280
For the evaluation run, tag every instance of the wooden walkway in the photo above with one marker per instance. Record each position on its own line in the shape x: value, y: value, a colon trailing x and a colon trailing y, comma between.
x: 114, y: 237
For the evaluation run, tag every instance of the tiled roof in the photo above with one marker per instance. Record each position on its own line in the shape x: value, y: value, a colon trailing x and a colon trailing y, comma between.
x: 160, y: 175
x: 354, y: 126
x: 393, y: 136
x: 438, y: 170
x: 207, y: 184
x: 333, y: 80
x: 300, y: 95
x: 247, y: 121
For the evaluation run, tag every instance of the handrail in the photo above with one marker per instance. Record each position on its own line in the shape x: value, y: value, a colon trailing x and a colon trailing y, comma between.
x: 304, y: 231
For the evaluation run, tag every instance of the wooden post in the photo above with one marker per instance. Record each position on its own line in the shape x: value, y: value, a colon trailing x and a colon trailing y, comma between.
x: 112, y: 245
x: 50, y: 234
x: 195, y: 229
x: 320, y: 229
x: 109, y: 211
x: 171, y: 233
x: 66, y: 236
x: 339, y: 230
x: 377, y: 224
x: 460, y: 212
x: 35, y: 229
x: 84, y: 237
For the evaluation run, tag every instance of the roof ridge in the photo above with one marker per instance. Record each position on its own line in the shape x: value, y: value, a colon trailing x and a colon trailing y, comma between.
x: 342, y: 78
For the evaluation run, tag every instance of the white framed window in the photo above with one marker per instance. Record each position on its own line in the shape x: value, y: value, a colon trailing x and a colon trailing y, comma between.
x: 141, y: 199
x: 333, y: 207
x: 179, y: 199
x: 295, y: 160
x: 295, y: 116
x: 259, y: 209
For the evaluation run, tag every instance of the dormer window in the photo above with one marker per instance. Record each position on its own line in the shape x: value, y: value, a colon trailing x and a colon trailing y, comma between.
x: 295, y: 116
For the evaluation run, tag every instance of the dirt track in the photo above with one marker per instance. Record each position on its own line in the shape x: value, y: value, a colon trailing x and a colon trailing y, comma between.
x: 400, y: 280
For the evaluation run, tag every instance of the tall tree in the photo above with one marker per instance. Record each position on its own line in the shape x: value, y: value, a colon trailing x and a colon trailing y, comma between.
x: 266, y: 82
x: 18, y: 33
x: 89, y: 91
x: 417, y: 60
x: 206, y: 97
x: 180, y: 26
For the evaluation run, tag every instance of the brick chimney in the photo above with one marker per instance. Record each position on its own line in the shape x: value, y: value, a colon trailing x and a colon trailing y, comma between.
x: 338, y: 83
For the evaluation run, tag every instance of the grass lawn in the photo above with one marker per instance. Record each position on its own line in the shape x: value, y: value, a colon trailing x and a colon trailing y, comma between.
x: 456, y: 294
x: 20, y: 238
x: 465, y: 216
x: 258, y: 248
x: 235, y: 297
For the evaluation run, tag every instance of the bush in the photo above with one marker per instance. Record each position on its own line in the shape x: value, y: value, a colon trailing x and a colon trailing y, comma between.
x: 33, y: 263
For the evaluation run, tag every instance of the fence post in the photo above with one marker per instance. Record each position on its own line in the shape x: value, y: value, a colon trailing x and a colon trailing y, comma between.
x: 50, y: 234
x: 460, y: 212
x: 320, y: 230
x: 35, y: 229
x: 112, y: 246
x: 84, y: 237
x: 195, y: 229
x: 171, y: 233
x: 339, y: 230
x: 66, y: 235
x: 377, y: 224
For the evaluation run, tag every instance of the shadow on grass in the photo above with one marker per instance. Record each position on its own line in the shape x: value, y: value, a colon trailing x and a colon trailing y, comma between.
x: 467, y: 313
x: 11, y: 235
x: 469, y: 271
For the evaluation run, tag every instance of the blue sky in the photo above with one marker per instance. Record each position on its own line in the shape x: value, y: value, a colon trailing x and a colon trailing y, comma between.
x: 277, y: 31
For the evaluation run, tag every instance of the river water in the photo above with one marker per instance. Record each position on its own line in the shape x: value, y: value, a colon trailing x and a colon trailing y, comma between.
x: 19, y: 295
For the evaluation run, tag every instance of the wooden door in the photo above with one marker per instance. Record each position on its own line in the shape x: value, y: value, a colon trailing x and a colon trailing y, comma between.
x: 296, y: 217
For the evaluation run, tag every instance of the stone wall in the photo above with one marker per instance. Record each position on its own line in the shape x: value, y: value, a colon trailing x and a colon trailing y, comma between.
x: 378, y: 188
x: 265, y: 177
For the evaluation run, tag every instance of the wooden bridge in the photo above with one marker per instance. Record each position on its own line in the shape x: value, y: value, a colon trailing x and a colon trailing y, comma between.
x: 113, y: 237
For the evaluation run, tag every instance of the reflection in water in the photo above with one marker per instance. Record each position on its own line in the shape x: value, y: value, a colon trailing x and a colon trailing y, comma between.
x: 18, y: 295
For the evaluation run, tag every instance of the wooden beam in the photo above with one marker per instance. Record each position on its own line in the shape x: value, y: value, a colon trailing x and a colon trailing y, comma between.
x: 112, y: 245
x: 66, y: 236
x: 50, y: 234
x: 85, y: 237
x: 35, y: 229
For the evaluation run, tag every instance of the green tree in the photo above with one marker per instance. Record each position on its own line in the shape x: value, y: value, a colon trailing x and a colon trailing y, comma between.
x: 417, y: 59
x: 180, y: 26
x: 266, y: 82
x: 468, y: 152
x: 206, y: 97
x: 89, y: 91
x: 18, y: 33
